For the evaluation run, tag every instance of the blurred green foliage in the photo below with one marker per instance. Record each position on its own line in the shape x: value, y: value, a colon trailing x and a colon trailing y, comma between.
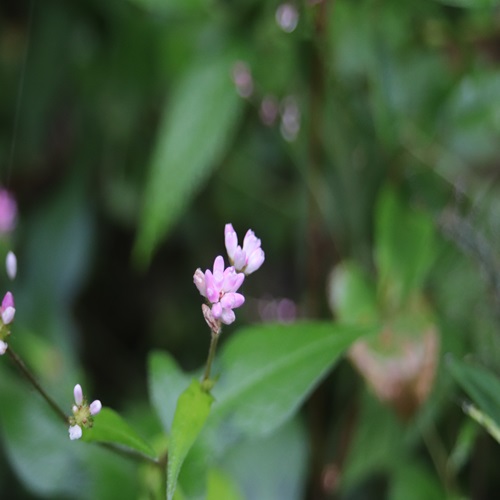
x: 365, y: 140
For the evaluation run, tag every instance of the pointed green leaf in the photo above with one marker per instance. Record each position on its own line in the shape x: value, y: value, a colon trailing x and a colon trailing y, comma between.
x: 483, y: 420
x: 483, y: 387
x: 198, y: 124
x: 191, y: 413
x: 351, y: 294
x: 109, y: 427
x: 404, y: 246
x: 267, y: 371
x: 166, y: 383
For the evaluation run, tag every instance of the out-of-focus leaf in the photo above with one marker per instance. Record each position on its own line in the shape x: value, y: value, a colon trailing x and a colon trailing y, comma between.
x: 166, y: 383
x: 267, y: 371
x: 472, y: 109
x: 483, y: 387
x: 221, y: 486
x: 171, y: 6
x: 471, y: 4
x: 404, y: 247
x: 193, y: 408
x: 463, y: 445
x: 256, y: 457
x: 109, y: 427
x: 110, y: 475
x: 351, y: 295
x: 373, y: 452
x: 198, y: 124
x: 414, y: 482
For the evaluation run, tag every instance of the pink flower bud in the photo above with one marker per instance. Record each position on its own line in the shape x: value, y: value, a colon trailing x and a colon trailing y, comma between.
x: 77, y: 391
x: 75, y: 432
x: 199, y: 281
x: 231, y: 241
x: 8, y: 301
x: 3, y: 347
x: 247, y: 259
x: 8, y: 212
x: 8, y: 315
x: 255, y: 260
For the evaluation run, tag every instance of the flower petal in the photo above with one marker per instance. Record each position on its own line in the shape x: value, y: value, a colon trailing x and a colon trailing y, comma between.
x: 227, y: 316
x: 231, y: 241
x: 75, y: 432
x: 255, y: 260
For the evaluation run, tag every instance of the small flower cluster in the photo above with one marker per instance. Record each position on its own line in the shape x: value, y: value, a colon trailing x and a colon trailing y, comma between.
x: 220, y: 286
x: 82, y: 414
x: 8, y: 308
x: 8, y: 217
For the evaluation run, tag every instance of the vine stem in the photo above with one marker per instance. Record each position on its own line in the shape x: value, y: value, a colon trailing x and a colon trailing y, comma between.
x: 32, y: 379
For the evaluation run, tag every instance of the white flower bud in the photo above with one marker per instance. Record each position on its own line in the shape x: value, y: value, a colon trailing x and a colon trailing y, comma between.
x: 11, y: 265
x: 95, y: 407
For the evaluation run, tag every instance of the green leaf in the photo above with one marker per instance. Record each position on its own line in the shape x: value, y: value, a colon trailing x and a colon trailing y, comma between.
x: 414, y: 482
x: 351, y: 295
x: 483, y: 420
x: 221, y: 486
x: 256, y: 457
x: 198, y: 124
x: 109, y: 427
x: 267, y: 371
x: 172, y: 6
x: 483, y: 387
x: 166, y: 383
x: 191, y: 413
x: 464, y: 446
x: 378, y: 443
x: 404, y: 247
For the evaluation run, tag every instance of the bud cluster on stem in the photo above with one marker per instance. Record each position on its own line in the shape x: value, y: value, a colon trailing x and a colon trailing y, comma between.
x: 83, y: 414
x: 220, y: 285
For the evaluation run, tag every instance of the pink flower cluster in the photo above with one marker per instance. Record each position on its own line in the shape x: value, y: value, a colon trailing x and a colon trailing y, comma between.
x: 220, y: 286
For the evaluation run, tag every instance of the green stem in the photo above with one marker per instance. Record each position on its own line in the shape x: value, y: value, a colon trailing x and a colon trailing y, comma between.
x: 26, y: 372
x: 211, y: 355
